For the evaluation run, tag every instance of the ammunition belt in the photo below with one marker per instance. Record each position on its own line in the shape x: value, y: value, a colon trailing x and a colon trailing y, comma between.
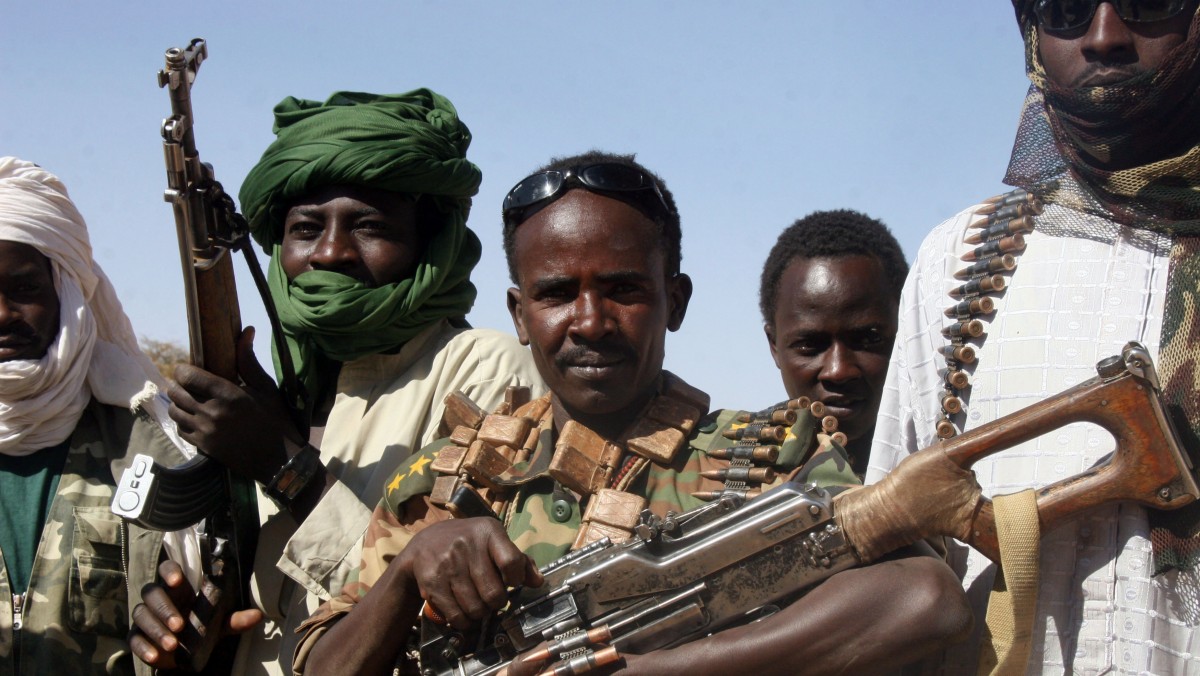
x: 998, y: 231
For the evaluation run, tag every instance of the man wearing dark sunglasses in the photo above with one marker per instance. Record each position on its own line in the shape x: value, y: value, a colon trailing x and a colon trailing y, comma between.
x: 593, y: 245
x: 1018, y: 298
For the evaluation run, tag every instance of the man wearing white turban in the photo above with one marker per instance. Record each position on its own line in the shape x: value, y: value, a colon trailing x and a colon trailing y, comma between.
x: 77, y: 400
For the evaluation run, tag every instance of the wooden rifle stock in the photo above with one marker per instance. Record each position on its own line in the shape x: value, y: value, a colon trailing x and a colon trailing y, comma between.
x: 933, y: 493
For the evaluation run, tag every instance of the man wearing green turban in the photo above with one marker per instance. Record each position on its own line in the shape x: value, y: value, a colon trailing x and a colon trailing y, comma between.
x: 362, y: 203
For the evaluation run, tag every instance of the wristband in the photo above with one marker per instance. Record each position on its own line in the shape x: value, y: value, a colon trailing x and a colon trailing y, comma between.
x: 293, y: 476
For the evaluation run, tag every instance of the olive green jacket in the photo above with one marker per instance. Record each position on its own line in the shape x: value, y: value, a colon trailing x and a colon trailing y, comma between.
x: 90, y: 565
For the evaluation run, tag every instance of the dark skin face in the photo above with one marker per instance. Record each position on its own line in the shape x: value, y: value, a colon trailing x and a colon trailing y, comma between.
x: 29, y: 305
x: 1108, y: 50
x: 370, y: 235
x: 835, y: 322
x: 594, y: 304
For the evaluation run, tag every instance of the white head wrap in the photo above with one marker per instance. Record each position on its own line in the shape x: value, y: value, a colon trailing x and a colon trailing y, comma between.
x: 95, y: 353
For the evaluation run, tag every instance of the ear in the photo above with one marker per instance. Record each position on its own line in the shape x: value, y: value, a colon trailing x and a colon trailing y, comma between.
x: 770, y: 331
x: 518, y: 314
x: 680, y: 292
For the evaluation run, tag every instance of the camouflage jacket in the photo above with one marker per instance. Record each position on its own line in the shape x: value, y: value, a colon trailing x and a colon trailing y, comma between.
x: 75, y: 616
x: 532, y: 522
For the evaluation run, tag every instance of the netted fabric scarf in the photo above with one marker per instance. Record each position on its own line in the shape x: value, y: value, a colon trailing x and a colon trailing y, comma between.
x: 1066, y: 140
x: 412, y: 143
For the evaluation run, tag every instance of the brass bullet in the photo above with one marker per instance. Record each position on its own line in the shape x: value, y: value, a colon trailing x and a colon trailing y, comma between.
x: 1001, y: 263
x: 978, y: 286
x: 999, y: 246
x: 572, y: 642
x: 758, y: 475
x: 783, y: 416
x: 1010, y: 197
x: 1001, y: 229
x: 957, y: 379
x: 951, y: 404
x: 945, y: 429
x: 974, y: 306
x: 967, y: 329
x: 961, y: 353
x: 994, y: 213
x: 760, y: 453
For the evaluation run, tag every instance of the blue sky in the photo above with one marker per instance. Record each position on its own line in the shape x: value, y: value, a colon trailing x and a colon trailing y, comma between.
x: 755, y: 114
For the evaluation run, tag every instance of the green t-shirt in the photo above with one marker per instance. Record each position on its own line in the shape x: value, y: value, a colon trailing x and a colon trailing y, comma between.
x: 27, y: 487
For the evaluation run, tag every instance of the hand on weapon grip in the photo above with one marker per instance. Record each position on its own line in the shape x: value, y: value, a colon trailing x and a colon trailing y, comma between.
x: 464, y: 568
x: 159, y: 618
x: 242, y: 427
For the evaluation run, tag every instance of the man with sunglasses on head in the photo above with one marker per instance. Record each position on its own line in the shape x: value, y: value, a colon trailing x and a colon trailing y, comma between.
x: 593, y: 244
x: 1016, y: 299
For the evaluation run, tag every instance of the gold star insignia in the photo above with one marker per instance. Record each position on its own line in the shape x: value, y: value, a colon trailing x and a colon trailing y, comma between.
x: 395, y: 483
x: 419, y: 465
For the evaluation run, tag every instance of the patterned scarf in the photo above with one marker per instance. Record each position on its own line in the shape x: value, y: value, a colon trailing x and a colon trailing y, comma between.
x: 1064, y: 138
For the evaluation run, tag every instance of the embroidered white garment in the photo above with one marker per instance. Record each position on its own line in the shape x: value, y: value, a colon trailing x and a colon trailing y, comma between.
x: 1075, y: 298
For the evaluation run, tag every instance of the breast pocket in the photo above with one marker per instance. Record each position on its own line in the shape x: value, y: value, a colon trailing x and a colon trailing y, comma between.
x: 97, y: 598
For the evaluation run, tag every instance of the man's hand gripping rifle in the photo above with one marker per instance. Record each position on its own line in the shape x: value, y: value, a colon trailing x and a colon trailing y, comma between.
x: 201, y: 490
x: 731, y: 562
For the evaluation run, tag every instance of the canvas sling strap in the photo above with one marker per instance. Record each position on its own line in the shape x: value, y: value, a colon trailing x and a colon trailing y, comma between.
x: 1009, y: 625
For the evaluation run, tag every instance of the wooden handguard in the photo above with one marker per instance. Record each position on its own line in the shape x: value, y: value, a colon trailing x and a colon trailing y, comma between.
x: 220, y: 319
x: 933, y: 493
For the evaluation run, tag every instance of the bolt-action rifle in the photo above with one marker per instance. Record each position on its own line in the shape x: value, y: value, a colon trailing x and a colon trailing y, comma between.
x: 733, y: 561
x: 201, y: 491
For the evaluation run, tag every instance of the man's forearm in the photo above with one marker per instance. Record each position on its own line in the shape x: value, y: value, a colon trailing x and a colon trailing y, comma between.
x: 860, y: 621
x: 370, y: 639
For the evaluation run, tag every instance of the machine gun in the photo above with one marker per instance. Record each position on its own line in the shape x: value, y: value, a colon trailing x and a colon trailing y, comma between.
x: 730, y: 562
x: 201, y: 490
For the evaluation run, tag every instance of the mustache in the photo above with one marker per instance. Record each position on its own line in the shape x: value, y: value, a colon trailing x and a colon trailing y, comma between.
x: 1107, y: 75
x: 593, y: 355
x: 19, y: 331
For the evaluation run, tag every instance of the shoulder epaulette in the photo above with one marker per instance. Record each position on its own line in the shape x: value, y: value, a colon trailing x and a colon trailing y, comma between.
x: 413, y: 476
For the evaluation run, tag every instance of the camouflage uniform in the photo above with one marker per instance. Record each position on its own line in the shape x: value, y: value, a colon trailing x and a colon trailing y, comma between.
x: 531, y: 521
x: 76, y: 613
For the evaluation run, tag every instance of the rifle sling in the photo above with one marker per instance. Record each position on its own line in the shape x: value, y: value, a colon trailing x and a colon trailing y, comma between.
x: 1008, y: 632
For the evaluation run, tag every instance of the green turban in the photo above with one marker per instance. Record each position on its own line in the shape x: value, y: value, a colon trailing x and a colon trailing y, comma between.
x: 409, y: 143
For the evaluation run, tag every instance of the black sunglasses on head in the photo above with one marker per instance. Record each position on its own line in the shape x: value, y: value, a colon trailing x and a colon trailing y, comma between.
x: 625, y: 182
x: 1061, y: 16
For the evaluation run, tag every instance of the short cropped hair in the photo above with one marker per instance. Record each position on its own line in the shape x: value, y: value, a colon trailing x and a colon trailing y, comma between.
x: 669, y: 230
x: 829, y: 234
